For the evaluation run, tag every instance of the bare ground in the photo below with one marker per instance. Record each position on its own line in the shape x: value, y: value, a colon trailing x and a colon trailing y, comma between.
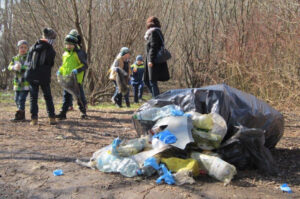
x: 28, y: 155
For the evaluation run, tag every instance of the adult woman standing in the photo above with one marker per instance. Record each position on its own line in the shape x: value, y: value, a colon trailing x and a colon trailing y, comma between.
x: 154, y: 71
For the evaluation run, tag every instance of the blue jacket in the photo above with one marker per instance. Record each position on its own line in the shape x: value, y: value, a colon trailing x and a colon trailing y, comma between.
x: 137, y: 76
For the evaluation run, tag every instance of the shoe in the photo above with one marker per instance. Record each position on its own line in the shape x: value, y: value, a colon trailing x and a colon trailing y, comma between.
x: 119, y: 106
x: 33, y: 122
x: 19, y: 116
x: 52, y: 121
x: 83, y: 116
x: 61, y: 116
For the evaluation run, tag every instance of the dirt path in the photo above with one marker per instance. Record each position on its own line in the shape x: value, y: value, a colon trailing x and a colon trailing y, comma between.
x: 28, y: 155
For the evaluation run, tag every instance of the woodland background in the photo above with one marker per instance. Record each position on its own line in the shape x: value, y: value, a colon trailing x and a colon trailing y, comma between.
x: 251, y: 45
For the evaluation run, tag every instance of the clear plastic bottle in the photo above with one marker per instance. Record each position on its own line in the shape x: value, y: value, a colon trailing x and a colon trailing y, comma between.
x: 154, y: 114
x: 216, y: 167
x: 128, y: 167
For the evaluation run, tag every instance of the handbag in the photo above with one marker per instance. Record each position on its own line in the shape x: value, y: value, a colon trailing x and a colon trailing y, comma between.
x: 163, y: 55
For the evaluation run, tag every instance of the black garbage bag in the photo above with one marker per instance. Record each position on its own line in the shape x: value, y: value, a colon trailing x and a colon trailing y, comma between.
x: 122, y: 81
x: 246, y: 149
x: 70, y: 84
x: 235, y: 106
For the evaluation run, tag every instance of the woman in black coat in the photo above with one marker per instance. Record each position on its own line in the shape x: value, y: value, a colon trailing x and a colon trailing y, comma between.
x: 154, y: 71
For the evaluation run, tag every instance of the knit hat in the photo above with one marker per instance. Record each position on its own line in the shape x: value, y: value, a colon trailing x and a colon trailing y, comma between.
x: 71, y: 39
x: 21, y: 42
x: 49, y: 33
x: 139, y: 58
x: 124, y: 51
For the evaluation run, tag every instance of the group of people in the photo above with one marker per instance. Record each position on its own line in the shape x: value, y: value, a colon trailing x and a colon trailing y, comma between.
x: 32, y: 67
x: 141, y: 72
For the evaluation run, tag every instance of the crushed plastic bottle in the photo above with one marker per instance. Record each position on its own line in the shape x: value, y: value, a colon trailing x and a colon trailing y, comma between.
x: 216, y: 167
x: 131, y: 147
x: 154, y: 114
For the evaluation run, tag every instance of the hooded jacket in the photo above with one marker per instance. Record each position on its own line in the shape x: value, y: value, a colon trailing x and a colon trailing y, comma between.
x: 40, y: 60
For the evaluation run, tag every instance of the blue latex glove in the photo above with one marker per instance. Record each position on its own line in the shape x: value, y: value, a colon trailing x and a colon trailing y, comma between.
x: 166, y: 136
x: 167, y: 176
x: 177, y: 112
x: 151, y: 162
x: 58, y: 73
x: 75, y: 71
x: 114, y: 145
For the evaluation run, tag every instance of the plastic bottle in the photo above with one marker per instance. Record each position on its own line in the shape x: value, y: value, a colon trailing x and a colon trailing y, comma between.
x: 131, y: 147
x: 154, y: 114
x: 216, y: 167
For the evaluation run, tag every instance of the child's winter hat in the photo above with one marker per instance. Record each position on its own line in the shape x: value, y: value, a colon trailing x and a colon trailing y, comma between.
x: 49, y: 33
x: 124, y: 51
x: 139, y: 58
x: 21, y: 42
x: 71, y: 39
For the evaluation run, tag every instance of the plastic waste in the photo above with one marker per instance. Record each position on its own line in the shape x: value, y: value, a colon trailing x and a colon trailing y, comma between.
x: 157, y: 129
x: 156, y: 143
x: 209, y: 130
x: 246, y: 149
x: 58, y: 172
x: 183, y: 177
x: 284, y: 187
x: 166, y: 176
x: 70, y: 84
x: 130, y: 147
x: 122, y: 80
x: 153, y: 114
x: 235, y: 106
x: 149, y: 168
x: 109, y: 162
x: 178, y: 164
x: 166, y: 137
x: 216, y: 167
x: 180, y: 127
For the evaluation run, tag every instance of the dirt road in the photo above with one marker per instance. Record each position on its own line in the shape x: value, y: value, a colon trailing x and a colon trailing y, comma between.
x: 28, y: 155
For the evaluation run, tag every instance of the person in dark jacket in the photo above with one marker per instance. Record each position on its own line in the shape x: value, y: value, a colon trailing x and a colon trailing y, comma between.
x: 154, y: 71
x: 40, y: 61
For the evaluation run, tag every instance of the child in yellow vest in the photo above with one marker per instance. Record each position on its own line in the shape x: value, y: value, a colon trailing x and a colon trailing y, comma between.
x: 74, y: 61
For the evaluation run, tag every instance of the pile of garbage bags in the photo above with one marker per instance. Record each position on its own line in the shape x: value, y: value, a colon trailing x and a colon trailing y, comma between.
x: 185, y: 133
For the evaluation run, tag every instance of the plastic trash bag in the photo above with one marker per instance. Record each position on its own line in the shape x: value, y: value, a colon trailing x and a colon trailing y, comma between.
x: 246, y: 149
x: 209, y: 130
x: 70, y: 84
x: 235, y: 106
x: 177, y: 164
x: 216, y: 167
x: 122, y: 80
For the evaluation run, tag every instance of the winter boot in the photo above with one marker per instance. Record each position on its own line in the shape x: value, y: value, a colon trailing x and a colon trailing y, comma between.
x: 19, y: 116
x: 61, y: 116
x: 52, y: 121
x: 34, y: 121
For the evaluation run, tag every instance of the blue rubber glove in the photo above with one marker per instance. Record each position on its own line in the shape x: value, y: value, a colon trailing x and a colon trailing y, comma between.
x: 166, y: 176
x: 58, y: 73
x: 75, y: 71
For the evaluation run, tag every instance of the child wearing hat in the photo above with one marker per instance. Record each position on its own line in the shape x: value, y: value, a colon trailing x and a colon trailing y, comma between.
x: 121, y: 61
x: 74, y: 61
x: 21, y: 86
x: 137, y: 70
x: 40, y: 61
